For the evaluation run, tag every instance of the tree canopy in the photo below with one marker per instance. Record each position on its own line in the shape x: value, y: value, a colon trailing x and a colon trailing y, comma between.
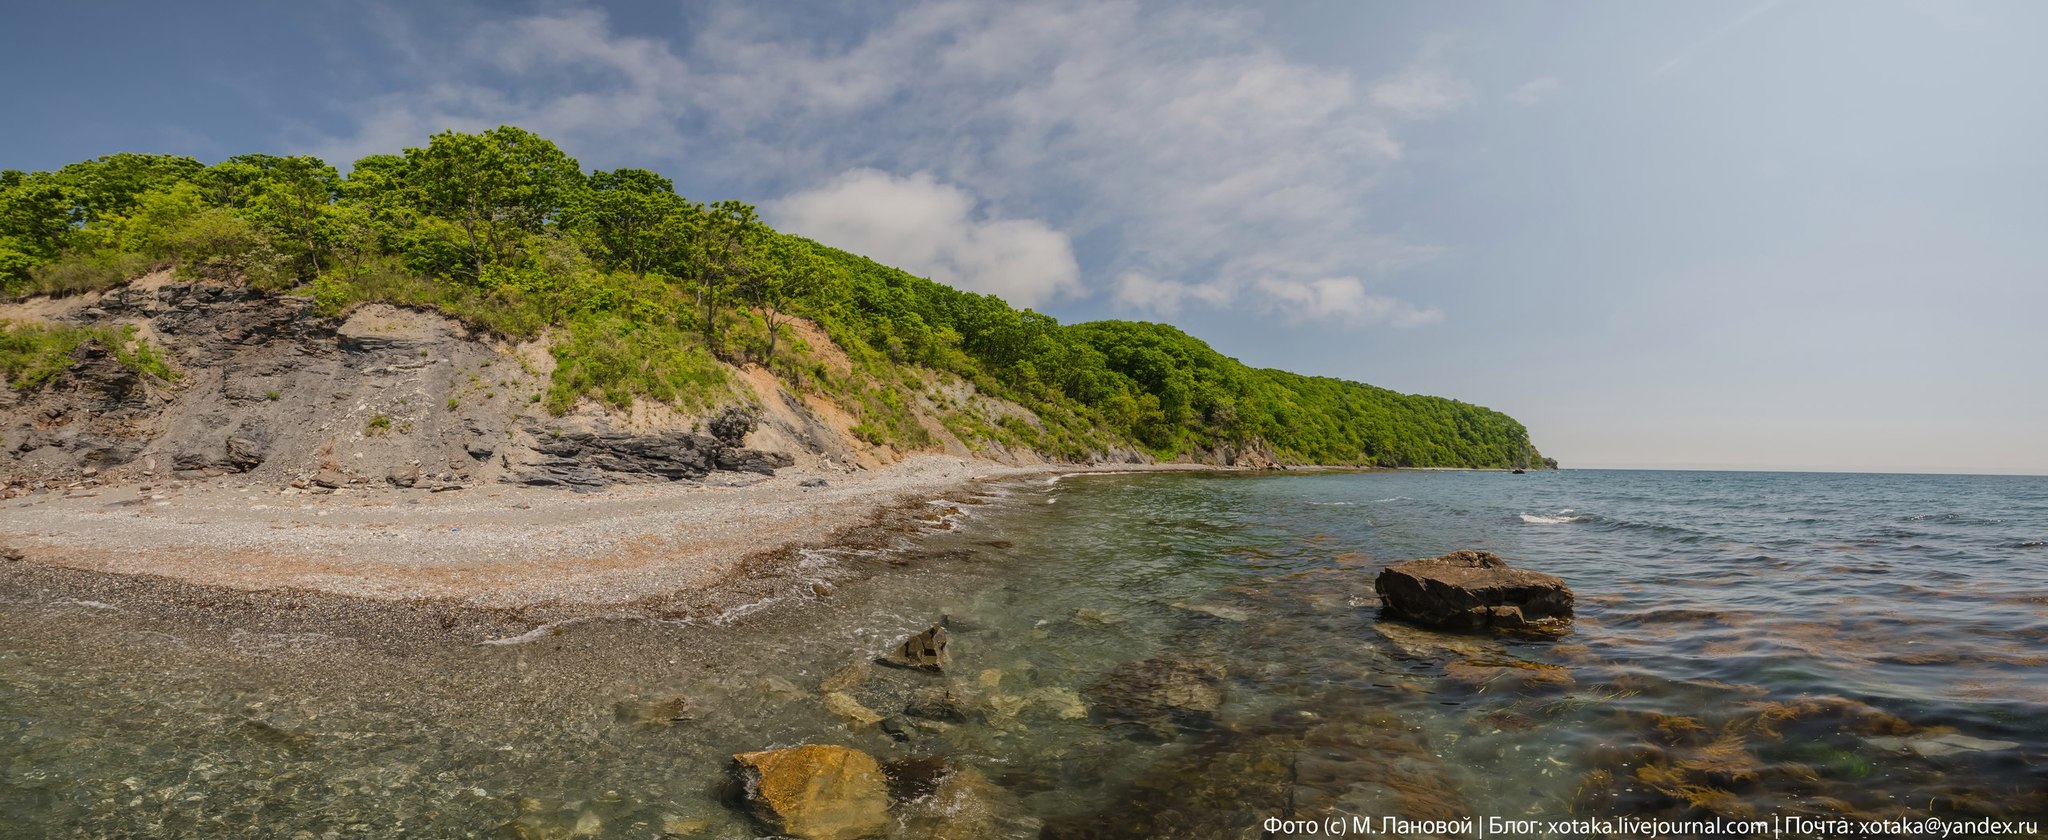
x: 645, y: 292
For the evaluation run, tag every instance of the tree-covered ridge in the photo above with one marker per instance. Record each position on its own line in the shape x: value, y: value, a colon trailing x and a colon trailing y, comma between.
x: 644, y: 293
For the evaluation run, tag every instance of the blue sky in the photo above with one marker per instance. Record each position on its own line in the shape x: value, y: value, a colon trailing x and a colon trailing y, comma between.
x: 1791, y: 234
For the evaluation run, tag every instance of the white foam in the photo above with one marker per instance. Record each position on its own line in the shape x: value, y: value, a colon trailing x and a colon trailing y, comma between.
x: 1549, y: 520
x: 744, y: 610
x: 534, y: 635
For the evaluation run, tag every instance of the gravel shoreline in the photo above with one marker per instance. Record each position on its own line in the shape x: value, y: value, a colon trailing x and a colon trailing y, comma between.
x: 483, y: 564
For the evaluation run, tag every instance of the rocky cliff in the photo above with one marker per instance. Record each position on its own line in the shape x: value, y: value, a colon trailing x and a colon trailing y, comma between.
x: 268, y: 389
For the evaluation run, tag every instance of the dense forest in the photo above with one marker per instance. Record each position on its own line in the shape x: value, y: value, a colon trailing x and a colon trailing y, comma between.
x: 643, y: 293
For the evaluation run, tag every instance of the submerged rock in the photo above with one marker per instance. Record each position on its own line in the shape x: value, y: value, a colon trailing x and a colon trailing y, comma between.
x: 1062, y: 703
x: 1509, y: 675
x: 846, y: 708
x: 938, y: 703
x: 660, y: 711
x: 848, y: 678
x: 1472, y: 590
x: 1934, y: 746
x: 1161, y: 695
x: 1340, y: 759
x: 925, y: 651
x: 965, y: 805
x: 815, y: 792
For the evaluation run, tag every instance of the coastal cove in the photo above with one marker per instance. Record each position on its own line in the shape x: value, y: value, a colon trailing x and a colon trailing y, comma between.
x: 1745, y: 645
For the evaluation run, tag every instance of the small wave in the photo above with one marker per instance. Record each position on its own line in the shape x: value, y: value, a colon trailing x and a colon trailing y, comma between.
x: 1056, y: 479
x: 725, y: 619
x: 552, y: 628
x: 534, y: 635
x: 2032, y: 544
x: 1533, y: 519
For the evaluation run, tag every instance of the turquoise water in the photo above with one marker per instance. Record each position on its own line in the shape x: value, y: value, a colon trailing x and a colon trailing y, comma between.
x: 1749, y: 645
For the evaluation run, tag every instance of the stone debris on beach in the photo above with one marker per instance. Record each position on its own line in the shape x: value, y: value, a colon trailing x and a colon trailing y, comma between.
x: 1473, y: 590
x: 815, y: 791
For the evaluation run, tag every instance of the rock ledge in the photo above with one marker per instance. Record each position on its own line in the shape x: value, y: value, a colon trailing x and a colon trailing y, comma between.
x: 1472, y: 590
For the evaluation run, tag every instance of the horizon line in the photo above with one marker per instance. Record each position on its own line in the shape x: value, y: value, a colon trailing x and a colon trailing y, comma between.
x: 1809, y: 468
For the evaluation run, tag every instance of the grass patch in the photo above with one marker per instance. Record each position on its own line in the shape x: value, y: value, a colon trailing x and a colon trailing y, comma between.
x: 612, y: 359
x: 31, y: 355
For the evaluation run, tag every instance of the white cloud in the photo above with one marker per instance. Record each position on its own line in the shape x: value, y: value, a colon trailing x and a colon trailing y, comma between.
x: 1142, y: 292
x: 1177, y: 143
x: 1342, y: 299
x: 929, y: 228
x: 1533, y: 91
x: 1419, y: 92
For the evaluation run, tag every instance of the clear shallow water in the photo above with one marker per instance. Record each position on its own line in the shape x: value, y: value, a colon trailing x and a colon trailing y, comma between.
x: 1747, y: 645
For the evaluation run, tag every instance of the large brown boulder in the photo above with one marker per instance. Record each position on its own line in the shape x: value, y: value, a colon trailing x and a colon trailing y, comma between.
x: 1472, y: 590
x: 816, y: 791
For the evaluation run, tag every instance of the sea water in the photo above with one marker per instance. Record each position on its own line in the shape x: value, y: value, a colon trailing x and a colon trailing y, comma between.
x: 1786, y: 648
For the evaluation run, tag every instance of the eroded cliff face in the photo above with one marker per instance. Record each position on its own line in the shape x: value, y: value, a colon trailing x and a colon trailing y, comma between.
x: 269, y: 390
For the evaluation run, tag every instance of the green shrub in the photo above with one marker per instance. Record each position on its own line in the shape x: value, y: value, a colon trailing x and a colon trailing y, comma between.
x: 86, y: 271
x: 31, y: 355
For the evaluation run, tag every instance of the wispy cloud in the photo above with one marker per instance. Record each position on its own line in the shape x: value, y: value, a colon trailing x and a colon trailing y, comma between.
x: 1178, y: 145
x: 1696, y: 47
x: 1534, y: 91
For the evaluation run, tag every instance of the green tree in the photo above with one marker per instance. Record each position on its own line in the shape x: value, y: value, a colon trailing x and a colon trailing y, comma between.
x: 630, y: 217
x: 109, y: 186
x: 35, y: 219
x: 497, y: 186
x: 792, y: 273
x: 290, y: 197
x: 724, y: 250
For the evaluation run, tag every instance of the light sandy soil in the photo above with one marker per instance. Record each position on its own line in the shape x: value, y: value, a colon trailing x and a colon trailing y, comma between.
x: 488, y: 546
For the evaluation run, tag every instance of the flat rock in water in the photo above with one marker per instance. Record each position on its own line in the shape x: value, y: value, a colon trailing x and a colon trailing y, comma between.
x: 1935, y: 746
x: 815, y: 792
x: 1472, y: 590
